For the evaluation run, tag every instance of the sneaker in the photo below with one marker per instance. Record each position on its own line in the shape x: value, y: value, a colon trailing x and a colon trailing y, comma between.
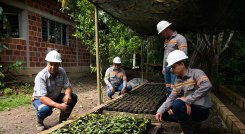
x: 40, y: 125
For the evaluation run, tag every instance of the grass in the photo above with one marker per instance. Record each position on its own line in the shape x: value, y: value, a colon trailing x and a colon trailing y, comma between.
x: 13, y: 101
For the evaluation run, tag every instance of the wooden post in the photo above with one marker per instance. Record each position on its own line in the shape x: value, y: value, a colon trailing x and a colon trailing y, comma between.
x: 97, y: 54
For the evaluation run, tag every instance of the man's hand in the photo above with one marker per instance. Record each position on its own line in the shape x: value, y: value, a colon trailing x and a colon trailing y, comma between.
x: 163, y: 70
x: 112, y: 89
x: 67, y: 99
x: 158, y: 116
x: 62, y: 106
x: 123, y: 90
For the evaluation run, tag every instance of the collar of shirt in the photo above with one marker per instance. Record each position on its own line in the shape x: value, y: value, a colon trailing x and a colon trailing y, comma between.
x: 174, y: 34
x: 50, y: 75
x: 187, y: 74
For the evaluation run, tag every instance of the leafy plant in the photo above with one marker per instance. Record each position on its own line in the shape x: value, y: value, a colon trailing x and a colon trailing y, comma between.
x: 101, y: 124
x: 8, y: 91
x: 6, y: 69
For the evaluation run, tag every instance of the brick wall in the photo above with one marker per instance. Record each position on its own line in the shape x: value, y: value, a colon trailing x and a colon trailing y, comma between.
x: 38, y: 49
x: 16, y: 51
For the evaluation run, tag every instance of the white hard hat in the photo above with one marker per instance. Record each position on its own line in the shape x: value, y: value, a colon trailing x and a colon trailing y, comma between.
x: 53, y: 56
x: 117, y: 60
x: 162, y: 25
x: 175, y: 56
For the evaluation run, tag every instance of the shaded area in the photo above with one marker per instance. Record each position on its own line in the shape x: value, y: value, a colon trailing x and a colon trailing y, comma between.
x: 187, y: 15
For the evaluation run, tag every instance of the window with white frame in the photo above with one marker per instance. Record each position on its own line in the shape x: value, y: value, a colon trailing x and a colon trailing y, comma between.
x: 54, y: 32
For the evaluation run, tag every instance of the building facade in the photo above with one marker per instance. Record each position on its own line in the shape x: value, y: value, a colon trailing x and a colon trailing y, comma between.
x: 34, y: 28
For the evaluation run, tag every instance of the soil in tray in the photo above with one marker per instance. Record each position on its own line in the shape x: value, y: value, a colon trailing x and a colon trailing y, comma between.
x: 147, y: 97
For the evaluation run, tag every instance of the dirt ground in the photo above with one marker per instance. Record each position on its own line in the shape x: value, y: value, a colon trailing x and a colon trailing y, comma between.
x: 22, y: 120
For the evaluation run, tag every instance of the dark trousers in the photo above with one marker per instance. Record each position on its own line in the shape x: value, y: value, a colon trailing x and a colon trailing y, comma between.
x: 198, y: 113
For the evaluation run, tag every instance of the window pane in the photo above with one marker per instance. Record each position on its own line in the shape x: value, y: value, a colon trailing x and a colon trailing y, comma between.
x: 51, y: 31
x: 11, y: 26
x: 44, y: 29
x: 64, y: 39
x: 58, y: 33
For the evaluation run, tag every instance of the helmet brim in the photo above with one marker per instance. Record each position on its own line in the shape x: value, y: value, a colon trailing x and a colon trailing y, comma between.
x: 164, y: 28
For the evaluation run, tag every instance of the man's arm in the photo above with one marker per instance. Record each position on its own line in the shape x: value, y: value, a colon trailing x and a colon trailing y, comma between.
x: 204, y: 87
x: 169, y: 102
x: 182, y: 44
x: 67, y: 97
x: 49, y: 102
x: 67, y: 87
x: 106, y: 78
x: 124, y: 79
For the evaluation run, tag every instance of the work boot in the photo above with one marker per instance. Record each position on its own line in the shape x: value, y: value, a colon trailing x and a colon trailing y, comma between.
x: 39, y: 124
x: 64, y: 115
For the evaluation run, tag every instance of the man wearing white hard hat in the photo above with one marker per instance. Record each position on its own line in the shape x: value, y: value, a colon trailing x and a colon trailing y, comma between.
x: 115, y: 79
x: 47, y: 95
x: 190, y: 101
x: 173, y: 41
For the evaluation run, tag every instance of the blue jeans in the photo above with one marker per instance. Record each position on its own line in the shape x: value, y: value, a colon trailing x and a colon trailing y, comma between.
x: 117, y: 89
x: 44, y: 111
x: 198, y: 113
x: 169, y: 80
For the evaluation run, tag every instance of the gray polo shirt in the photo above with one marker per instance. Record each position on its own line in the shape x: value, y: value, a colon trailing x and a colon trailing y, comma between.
x: 194, y: 86
x: 50, y: 86
x: 176, y: 42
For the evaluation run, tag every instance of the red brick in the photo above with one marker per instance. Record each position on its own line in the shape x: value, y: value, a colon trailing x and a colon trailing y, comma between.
x: 9, y: 52
x: 9, y: 40
x: 19, y: 47
x: 37, y: 44
x: 23, y: 53
x: 35, y: 49
x: 12, y: 46
x: 17, y: 53
x: 37, y: 64
x: 12, y: 58
x: 32, y: 64
x: 31, y: 33
x: 5, y: 58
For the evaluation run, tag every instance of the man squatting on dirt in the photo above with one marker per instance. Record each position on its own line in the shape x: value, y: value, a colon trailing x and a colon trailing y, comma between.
x: 189, y: 102
x: 47, y: 95
x: 115, y: 79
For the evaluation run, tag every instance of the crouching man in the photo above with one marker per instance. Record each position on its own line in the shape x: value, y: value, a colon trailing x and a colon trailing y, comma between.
x: 47, y: 95
x: 190, y: 101
x: 115, y: 79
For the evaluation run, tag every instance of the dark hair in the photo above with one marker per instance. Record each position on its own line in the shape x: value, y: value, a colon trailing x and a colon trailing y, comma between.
x: 185, y: 62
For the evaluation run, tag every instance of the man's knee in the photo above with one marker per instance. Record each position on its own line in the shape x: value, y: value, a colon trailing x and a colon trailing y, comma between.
x: 45, y: 111
x: 179, y: 106
x: 129, y: 88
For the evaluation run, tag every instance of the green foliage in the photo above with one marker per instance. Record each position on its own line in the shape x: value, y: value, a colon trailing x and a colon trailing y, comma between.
x: 16, y: 67
x: 8, y: 91
x: 101, y: 124
x: 26, y: 88
x: 14, y: 101
x: 114, y: 37
x: 232, y: 62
